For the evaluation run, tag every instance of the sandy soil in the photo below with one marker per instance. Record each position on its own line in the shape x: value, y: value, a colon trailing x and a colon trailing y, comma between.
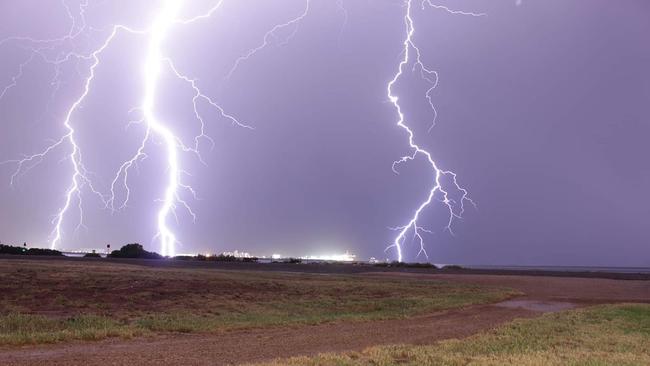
x: 542, y: 294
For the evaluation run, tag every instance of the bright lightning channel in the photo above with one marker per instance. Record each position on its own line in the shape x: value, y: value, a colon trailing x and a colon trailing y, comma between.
x: 155, y: 61
x: 412, y: 56
x: 80, y: 177
x: 153, y: 67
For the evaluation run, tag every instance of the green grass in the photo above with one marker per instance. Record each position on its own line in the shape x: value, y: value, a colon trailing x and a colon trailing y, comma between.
x: 58, y: 301
x: 602, y: 335
x: 18, y: 329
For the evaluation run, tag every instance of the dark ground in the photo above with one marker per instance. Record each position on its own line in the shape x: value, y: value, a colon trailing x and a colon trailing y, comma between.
x: 343, y: 268
x: 542, y: 292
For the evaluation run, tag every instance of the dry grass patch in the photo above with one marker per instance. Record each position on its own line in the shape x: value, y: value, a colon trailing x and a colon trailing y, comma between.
x: 602, y: 335
x: 50, y: 301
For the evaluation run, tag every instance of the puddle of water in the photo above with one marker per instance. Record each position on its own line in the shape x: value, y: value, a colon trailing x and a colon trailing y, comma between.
x: 534, y: 305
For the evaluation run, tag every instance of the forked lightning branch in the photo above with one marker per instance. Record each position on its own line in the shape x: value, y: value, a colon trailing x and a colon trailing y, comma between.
x: 168, y: 19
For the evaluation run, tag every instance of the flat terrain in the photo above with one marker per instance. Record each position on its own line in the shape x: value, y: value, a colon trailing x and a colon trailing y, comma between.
x: 45, y: 302
x: 349, y: 268
x: 599, y: 335
x: 118, y: 313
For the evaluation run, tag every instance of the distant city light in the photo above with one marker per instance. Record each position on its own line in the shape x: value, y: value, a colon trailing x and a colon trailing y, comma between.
x: 345, y: 257
x: 237, y: 254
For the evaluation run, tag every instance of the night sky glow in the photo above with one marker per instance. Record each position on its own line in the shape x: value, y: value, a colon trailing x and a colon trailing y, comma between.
x: 210, y: 126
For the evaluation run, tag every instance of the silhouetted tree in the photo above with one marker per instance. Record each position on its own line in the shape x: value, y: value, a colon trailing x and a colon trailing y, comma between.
x: 9, y: 249
x: 134, y: 250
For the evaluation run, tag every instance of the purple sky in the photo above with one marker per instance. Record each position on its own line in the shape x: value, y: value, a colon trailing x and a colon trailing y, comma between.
x: 543, y: 114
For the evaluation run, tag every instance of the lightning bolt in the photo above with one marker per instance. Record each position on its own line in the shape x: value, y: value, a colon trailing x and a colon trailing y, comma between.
x: 412, y: 56
x: 80, y: 175
x: 445, y: 185
x: 155, y: 63
x: 273, y: 36
x: 152, y: 70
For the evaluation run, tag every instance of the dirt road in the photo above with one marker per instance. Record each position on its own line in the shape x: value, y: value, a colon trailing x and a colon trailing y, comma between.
x: 541, y: 294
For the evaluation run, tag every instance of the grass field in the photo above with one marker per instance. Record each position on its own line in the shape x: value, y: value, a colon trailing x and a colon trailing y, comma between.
x: 602, y: 335
x: 53, y: 301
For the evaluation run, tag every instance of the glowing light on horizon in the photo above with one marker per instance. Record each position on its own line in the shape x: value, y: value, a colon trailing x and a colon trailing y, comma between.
x: 345, y: 257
